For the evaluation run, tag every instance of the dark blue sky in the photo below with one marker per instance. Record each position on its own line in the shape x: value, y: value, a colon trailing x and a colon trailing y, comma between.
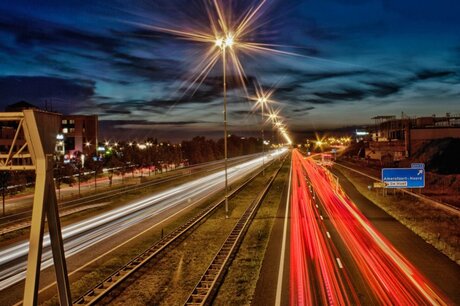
x: 359, y: 59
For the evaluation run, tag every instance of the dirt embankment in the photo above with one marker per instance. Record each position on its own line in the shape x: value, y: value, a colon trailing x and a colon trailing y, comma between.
x: 442, y: 163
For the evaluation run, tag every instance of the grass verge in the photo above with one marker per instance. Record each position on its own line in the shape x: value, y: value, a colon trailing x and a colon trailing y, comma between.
x: 434, y: 225
x: 240, y: 282
x: 175, y: 275
x: 153, y: 290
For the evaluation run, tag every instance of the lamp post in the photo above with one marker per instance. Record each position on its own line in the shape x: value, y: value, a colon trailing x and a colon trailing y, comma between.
x: 81, y: 165
x: 226, y: 35
x: 149, y: 149
x: 131, y: 150
x: 223, y: 44
x: 262, y: 101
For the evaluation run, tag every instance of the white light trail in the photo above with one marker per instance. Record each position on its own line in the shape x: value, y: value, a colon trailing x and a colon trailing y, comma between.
x: 84, y: 234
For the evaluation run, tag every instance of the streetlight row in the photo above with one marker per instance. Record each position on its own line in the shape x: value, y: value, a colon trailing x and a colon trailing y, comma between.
x: 132, y: 143
x: 226, y: 37
x: 263, y: 100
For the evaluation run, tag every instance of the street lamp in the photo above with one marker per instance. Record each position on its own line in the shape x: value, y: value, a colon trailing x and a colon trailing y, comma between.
x: 81, y: 165
x: 262, y: 101
x: 226, y: 34
x: 274, y: 118
x: 131, y: 157
x: 223, y: 44
x: 149, y: 148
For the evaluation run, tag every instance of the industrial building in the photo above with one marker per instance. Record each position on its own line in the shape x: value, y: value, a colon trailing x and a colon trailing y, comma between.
x: 394, y: 139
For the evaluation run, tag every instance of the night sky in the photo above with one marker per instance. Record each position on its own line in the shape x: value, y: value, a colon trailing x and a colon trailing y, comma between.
x: 356, y: 59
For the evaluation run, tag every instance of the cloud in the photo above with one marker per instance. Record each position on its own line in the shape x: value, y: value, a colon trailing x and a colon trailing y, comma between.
x: 428, y: 74
x: 31, y: 32
x: 345, y: 94
x: 117, y: 112
x: 384, y: 89
x: 319, y: 33
x: 64, y: 94
x: 317, y: 101
x: 303, y: 109
x: 139, y: 124
x: 162, y: 69
x: 240, y: 112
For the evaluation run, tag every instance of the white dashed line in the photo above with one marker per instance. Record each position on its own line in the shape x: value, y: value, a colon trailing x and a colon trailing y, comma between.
x: 339, y: 263
x: 283, y: 244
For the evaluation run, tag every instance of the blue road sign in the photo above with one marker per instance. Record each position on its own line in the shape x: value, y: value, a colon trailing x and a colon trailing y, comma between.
x: 403, y: 177
x: 417, y: 165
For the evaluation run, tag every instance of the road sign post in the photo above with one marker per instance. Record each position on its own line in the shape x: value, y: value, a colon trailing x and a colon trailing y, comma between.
x: 413, y: 177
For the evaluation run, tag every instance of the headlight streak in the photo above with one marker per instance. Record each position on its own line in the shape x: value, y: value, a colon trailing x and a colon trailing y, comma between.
x: 391, y: 277
x: 84, y: 234
x: 316, y: 276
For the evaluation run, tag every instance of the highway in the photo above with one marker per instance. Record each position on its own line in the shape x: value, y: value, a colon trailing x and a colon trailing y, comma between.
x: 338, y: 256
x: 19, y: 206
x: 86, y: 233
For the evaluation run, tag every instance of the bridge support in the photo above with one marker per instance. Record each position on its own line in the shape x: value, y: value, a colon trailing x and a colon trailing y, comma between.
x: 33, y: 149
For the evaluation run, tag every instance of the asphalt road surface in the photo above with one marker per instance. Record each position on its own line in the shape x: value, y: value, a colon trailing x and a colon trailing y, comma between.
x: 338, y: 256
x: 437, y: 267
x: 87, y: 233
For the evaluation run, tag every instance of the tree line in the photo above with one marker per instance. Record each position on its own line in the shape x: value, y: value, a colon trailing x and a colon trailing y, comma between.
x: 127, y: 157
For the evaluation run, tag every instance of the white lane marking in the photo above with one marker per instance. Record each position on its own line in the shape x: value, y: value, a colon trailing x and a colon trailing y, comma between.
x: 283, y: 245
x: 321, y: 217
x: 316, y: 206
x: 339, y: 263
x: 328, y: 235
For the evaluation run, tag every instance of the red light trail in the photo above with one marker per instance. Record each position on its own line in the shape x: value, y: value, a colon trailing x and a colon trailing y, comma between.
x: 317, y: 274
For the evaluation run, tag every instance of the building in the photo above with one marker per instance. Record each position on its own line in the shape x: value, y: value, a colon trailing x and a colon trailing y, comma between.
x: 395, y: 139
x: 79, y: 133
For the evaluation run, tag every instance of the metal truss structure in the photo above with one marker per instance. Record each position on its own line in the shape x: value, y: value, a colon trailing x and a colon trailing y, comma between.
x: 31, y: 149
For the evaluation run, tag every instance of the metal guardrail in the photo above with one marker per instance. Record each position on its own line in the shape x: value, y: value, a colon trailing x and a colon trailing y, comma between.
x: 204, y: 292
x: 94, y: 295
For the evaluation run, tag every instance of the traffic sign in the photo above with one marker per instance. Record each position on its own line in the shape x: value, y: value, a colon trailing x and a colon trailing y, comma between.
x: 417, y: 165
x: 379, y: 185
x: 403, y: 177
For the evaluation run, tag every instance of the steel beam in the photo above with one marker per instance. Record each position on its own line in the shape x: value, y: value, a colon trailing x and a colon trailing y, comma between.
x: 40, y: 130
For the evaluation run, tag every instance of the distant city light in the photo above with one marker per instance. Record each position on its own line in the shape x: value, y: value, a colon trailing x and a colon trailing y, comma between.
x: 361, y: 133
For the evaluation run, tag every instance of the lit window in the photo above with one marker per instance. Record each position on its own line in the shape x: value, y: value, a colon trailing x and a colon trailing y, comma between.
x: 65, y: 130
x: 71, y: 121
x: 71, y: 130
x: 64, y: 121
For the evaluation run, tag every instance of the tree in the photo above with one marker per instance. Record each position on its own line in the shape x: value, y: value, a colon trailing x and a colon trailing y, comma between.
x: 114, y: 165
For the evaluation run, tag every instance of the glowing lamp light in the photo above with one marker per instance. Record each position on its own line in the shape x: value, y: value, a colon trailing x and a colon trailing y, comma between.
x: 229, y: 41
x: 219, y: 42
